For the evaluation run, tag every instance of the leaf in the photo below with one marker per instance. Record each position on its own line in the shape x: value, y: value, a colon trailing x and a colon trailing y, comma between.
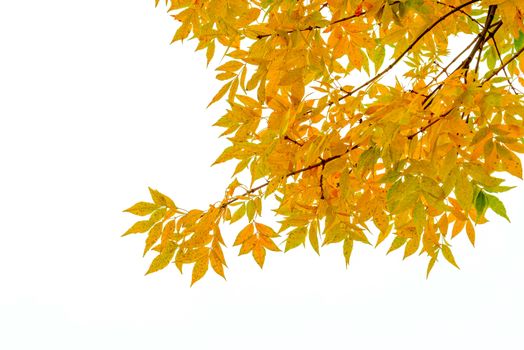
x: 431, y: 264
x: 216, y: 264
x: 411, y: 247
x: 161, y: 199
x: 142, y: 208
x: 448, y: 255
x: 250, y: 210
x: 139, y: 227
x: 464, y: 191
x: 153, y: 236
x: 244, y: 234
x: 268, y: 243
x: 241, y: 211
x: 210, y: 53
x: 295, y: 238
x: 470, y: 230
x: 497, y: 206
x: 347, y: 249
x: 481, y: 204
x: 265, y: 230
x: 231, y: 66
x: 397, y: 243
x: 220, y: 93
x: 199, y: 269
x: 259, y: 254
x: 163, y: 259
x: 248, y: 245
x: 313, y: 236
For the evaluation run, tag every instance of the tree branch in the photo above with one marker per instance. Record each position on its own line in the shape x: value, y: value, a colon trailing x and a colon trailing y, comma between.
x: 419, y: 37
x: 260, y: 36
x: 322, y: 163
x: 497, y: 71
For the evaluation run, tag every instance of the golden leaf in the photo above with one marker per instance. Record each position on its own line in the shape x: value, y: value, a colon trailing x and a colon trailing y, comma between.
x: 142, y: 208
x: 446, y: 251
x: 163, y: 259
x: 259, y: 254
x: 199, y: 269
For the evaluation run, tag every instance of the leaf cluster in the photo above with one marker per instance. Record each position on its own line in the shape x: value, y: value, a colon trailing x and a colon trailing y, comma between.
x: 349, y: 157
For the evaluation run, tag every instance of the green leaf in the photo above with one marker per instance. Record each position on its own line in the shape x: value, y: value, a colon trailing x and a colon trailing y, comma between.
x: 497, y: 206
x: 519, y: 42
x: 481, y: 204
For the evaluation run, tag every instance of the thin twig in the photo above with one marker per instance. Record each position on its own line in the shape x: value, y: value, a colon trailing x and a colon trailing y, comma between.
x: 497, y: 71
x: 323, y: 162
x: 260, y: 36
x: 419, y: 37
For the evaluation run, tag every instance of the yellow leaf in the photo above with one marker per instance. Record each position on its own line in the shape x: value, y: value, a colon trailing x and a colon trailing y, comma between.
x: 199, y: 269
x: 220, y: 93
x: 161, y: 199
x: 268, y: 243
x: 142, y: 208
x: 238, y: 214
x: 265, y: 230
x: 313, y: 236
x: 231, y: 66
x: 244, y: 234
x: 259, y: 254
x: 464, y: 191
x: 446, y: 251
x: 163, y: 259
x: 247, y: 245
x: 210, y: 51
x: 457, y: 227
x: 216, y: 264
x: 347, y: 248
x: 411, y: 247
x: 295, y: 238
x: 139, y: 227
x: 470, y: 230
x: 510, y: 161
x: 431, y: 264
x: 153, y: 236
x: 397, y: 243
x: 192, y: 255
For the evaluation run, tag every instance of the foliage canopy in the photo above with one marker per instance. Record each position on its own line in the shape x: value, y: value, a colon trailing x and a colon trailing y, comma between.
x: 352, y: 149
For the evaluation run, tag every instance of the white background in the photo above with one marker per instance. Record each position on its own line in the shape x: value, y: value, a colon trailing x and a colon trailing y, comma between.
x: 95, y: 106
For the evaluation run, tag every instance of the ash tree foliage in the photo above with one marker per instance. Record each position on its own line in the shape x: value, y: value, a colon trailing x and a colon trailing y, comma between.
x: 349, y: 158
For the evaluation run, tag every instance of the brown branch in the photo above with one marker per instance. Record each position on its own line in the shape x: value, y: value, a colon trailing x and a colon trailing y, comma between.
x: 294, y: 141
x: 260, y: 36
x: 417, y: 39
x: 463, y: 12
x: 322, y: 163
x: 482, y: 35
x: 497, y: 71
x: 424, y: 128
x: 502, y: 62
x: 479, y: 38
